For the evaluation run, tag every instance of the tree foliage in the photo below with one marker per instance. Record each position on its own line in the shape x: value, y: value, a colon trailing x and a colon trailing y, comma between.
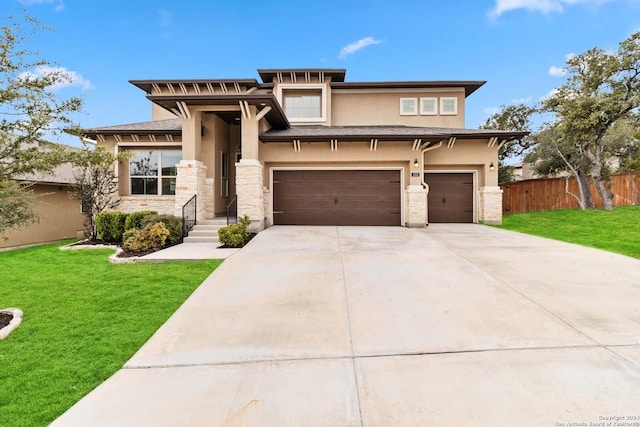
x: 602, y: 89
x: 30, y: 109
x: 594, y: 116
x: 95, y: 184
x: 515, y: 118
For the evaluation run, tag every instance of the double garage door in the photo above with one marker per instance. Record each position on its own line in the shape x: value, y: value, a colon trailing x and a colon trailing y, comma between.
x: 336, y: 197
x: 364, y: 197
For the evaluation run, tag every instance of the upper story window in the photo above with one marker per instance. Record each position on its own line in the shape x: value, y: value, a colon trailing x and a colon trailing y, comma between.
x: 303, y: 106
x: 408, y: 106
x: 153, y: 172
x: 428, y: 106
x: 303, y: 102
x: 448, y: 106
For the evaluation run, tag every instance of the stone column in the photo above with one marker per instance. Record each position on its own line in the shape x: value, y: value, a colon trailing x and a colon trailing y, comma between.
x: 250, y: 192
x: 416, y: 206
x: 490, y: 208
x: 250, y: 174
x: 190, y: 181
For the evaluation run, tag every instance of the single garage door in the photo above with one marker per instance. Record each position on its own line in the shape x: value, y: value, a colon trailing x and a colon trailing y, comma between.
x: 450, y: 197
x: 336, y: 197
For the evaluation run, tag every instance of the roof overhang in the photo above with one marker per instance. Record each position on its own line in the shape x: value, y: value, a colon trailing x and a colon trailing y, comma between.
x: 195, y: 86
x: 469, y: 86
x: 302, y: 74
x: 383, y: 133
x: 275, y: 115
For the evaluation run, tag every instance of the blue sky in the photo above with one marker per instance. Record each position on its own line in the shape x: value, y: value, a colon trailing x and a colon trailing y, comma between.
x: 518, y: 46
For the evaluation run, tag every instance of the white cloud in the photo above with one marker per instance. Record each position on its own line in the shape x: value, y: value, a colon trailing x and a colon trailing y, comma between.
x: 544, y: 6
x: 65, y: 78
x: 522, y: 100
x: 548, y: 95
x: 59, y: 4
x: 557, y: 71
x: 166, y: 17
x: 490, y: 111
x: 569, y: 56
x: 356, y: 46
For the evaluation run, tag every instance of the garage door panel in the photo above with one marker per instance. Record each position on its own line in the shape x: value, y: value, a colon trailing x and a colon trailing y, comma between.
x: 450, y: 197
x: 338, y: 197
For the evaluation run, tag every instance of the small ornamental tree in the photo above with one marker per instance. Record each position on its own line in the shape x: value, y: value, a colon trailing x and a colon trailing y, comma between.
x: 95, y: 183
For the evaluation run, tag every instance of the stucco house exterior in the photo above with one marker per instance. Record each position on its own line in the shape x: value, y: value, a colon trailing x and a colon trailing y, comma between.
x: 305, y: 146
x: 60, y: 215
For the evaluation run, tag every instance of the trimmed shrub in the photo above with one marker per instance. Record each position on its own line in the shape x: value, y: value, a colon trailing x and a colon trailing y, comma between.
x: 173, y: 224
x: 234, y: 235
x: 151, y: 236
x: 134, y: 219
x: 110, y: 226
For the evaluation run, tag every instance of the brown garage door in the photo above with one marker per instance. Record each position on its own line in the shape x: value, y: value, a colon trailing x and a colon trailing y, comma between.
x: 336, y: 197
x: 450, y: 197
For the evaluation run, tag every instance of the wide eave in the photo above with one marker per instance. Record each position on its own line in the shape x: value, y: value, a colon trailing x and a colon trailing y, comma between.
x: 390, y: 133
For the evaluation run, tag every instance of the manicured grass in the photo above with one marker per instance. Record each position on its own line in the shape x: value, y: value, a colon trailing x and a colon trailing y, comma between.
x: 83, y: 319
x: 615, y: 231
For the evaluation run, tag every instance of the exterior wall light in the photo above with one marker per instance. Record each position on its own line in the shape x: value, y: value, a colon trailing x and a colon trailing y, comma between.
x: 416, y: 164
x: 491, y: 167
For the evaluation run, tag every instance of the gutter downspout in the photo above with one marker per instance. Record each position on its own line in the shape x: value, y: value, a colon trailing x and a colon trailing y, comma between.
x: 438, y: 145
x: 424, y: 184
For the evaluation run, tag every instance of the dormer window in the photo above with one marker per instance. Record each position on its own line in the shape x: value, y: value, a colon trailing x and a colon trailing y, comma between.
x: 303, y: 102
x: 303, y: 106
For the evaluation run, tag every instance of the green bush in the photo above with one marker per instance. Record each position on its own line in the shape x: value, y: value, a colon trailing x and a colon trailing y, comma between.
x: 110, y: 226
x: 234, y: 235
x: 173, y: 224
x: 151, y: 236
x: 134, y: 219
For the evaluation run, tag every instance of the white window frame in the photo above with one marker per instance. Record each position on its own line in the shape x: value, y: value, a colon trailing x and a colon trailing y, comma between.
x: 413, y: 111
x: 157, y: 177
x: 312, y: 87
x: 423, y: 111
x: 455, y: 106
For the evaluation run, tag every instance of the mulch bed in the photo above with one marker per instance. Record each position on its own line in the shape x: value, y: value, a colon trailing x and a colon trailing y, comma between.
x: 251, y: 236
x: 5, y: 319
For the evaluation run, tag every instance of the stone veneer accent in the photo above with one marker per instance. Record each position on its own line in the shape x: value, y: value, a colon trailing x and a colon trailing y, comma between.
x: 191, y: 179
x: 209, y: 208
x: 490, y: 209
x: 250, y: 191
x: 160, y: 204
x: 416, y: 206
x: 267, y: 207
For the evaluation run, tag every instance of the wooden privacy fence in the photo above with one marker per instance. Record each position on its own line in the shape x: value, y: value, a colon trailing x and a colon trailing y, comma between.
x: 546, y: 194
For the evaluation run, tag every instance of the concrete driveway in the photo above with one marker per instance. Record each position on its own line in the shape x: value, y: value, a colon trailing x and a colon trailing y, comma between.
x: 379, y: 326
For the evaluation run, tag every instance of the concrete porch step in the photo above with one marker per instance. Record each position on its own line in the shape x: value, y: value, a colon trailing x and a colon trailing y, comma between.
x: 203, y: 232
x: 207, y: 228
x: 201, y: 239
x: 222, y: 221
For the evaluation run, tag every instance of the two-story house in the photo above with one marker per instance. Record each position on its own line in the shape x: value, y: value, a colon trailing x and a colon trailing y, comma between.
x: 304, y: 146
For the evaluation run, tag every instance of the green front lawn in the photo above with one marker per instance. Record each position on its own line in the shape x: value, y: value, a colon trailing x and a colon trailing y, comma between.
x: 83, y: 319
x: 615, y: 231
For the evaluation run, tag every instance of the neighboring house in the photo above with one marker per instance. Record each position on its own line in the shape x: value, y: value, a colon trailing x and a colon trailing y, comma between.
x: 60, y: 215
x: 523, y: 171
x: 306, y: 147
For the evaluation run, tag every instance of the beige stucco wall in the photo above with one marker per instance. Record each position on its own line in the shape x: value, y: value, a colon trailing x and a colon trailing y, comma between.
x: 466, y: 155
x: 159, y: 113
x: 355, y: 107
x: 60, y: 218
